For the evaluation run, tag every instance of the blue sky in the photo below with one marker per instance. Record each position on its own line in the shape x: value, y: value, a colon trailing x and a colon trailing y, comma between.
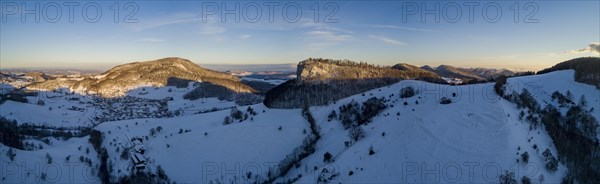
x: 379, y: 32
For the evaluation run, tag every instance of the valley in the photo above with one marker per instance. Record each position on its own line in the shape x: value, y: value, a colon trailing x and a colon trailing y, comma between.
x: 169, y: 120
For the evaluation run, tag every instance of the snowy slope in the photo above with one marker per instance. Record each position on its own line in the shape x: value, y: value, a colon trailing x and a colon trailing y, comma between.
x: 29, y: 166
x: 5, y: 88
x: 542, y: 86
x: 210, y: 151
x: 55, y: 110
x: 473, y: 139
x: 186, y: 107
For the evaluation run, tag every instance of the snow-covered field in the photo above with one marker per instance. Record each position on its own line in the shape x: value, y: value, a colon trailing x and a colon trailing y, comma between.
x: 31, y: 166
x: 56, y: 110
x: 207, y: 150
x: 542, y: 86
x: 5, y: 88
x: 474, y: 139
x: 186, y: 107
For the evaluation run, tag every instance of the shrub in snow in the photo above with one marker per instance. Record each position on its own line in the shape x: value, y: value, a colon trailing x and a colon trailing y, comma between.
x: 125, y: 154
x: 152, y: 131
x: 551, y: 161
x: 327, y: 176
x: 349, y: 114
x: 525, y: 180
x: 103, y: 171
x: 353, y: 114
x: 371, y: 151
x: 49, y: 158
x: 407, y: 92
x: 499, y: 85
x: 445, y: 100
x: 371, y: 108
x: 327, y: 157
x: 161, y: 173
x: 525, y: 157
x: 508, y: 178
x: 11, y: 154
x: 356, y: 133
x: 332, y: 115
x: 227, y: 120
x: 236, y: 114
x: 251, y: 111
x: 95, y: 139
x: 525, y: 100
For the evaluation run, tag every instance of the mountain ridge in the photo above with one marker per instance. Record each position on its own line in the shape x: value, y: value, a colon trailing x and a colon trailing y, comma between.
x: 586, y: 69
x: 121, y: 78
x: 320, y: 81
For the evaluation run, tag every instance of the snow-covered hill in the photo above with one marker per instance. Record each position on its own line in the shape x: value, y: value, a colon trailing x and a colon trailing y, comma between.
x: 475, y: 138
x: 200, y: 148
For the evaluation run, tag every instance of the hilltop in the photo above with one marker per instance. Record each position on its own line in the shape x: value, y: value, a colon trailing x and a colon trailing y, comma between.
x: 586, y: 69
x: 320, y: 81
x: 161, y: 72
x: 362, y: 133
x: 468, y: 75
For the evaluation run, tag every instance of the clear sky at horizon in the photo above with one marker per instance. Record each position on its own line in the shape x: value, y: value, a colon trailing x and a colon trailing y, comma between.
x: 523, y: 35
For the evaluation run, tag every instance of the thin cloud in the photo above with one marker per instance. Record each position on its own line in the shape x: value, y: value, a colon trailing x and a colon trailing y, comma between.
x: 211, y: 27
x: 151, y: 40
x: 319, y: 39
x: 246, y: 36
x: 176, y: 18
x: 328, y: 35
x: 593, y: 47
x: 406, y: 28
x: 420, y: 30
x: 386, y: 40
x: 207, y: 27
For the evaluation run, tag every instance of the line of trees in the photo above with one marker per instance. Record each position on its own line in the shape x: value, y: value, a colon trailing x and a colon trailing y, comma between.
x: 574, y: 134
x: 293, y: 159
x: 13, y: 134
x: 353, y: 114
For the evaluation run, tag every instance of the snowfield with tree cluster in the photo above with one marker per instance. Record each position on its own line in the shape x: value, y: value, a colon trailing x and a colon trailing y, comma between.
x: 410, y: 132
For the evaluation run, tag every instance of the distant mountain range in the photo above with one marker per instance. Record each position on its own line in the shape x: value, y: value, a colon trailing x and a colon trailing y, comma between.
x: 316, y: 81
x: 358, y: 123
x: 468, y: 75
